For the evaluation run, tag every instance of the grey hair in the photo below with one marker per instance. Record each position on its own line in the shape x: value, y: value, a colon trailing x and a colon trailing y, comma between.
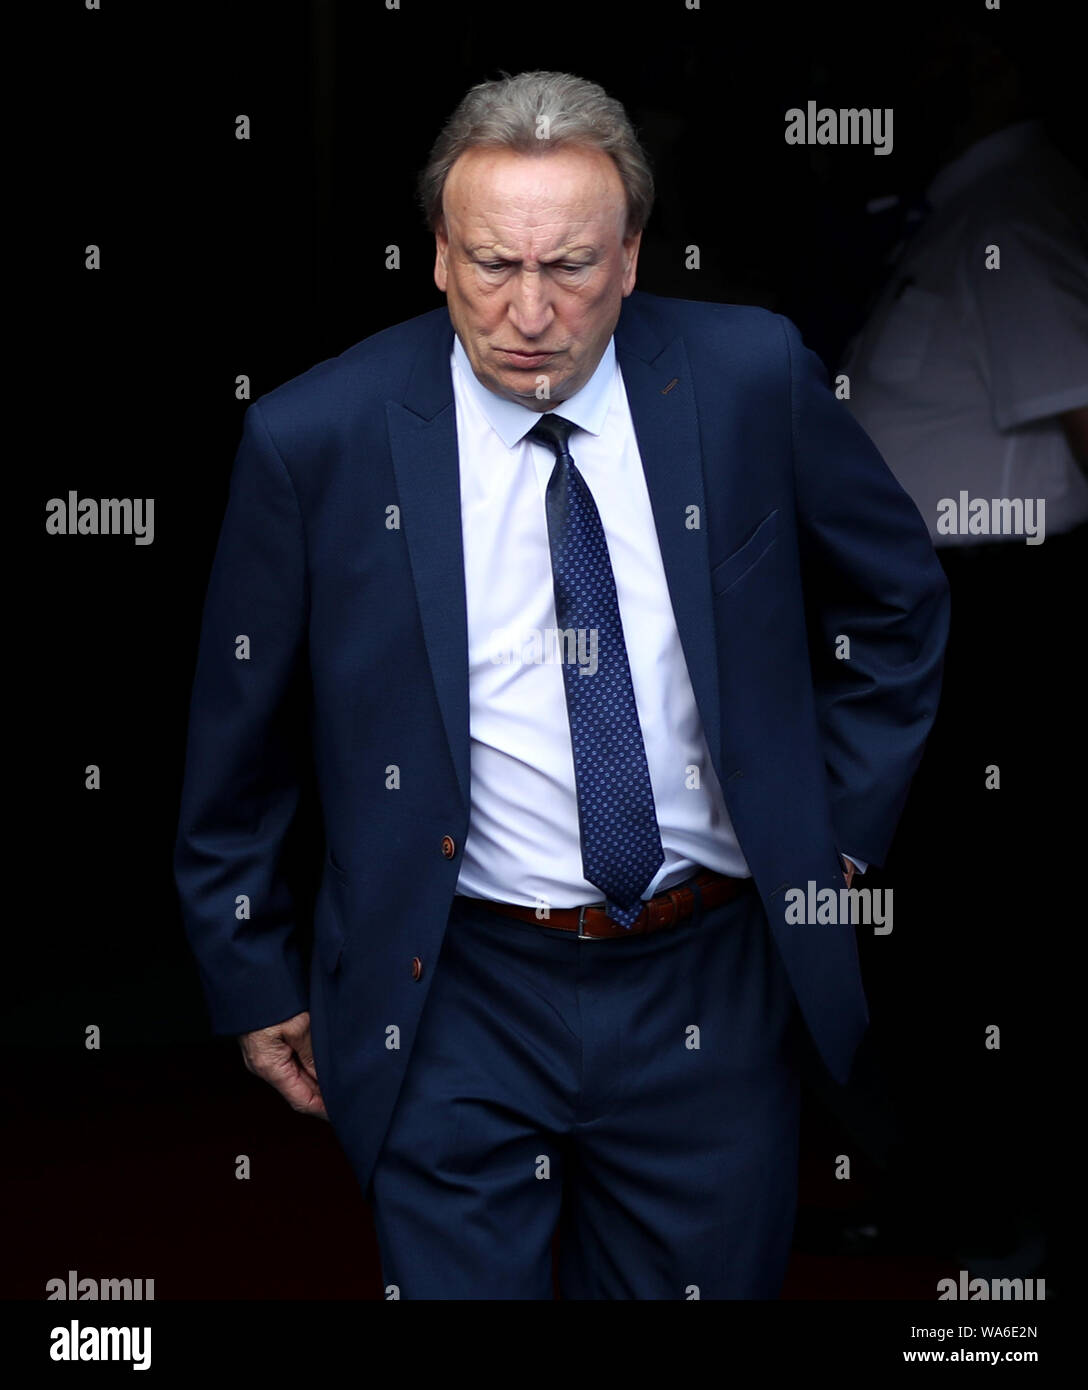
x: 510, y: 113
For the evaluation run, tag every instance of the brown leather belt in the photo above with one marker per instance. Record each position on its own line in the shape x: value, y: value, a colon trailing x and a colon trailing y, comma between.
x: 665, y: 910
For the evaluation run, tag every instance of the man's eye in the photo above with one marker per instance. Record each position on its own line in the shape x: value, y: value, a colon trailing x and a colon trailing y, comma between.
x: 492, y: 265
x: 571, y: 269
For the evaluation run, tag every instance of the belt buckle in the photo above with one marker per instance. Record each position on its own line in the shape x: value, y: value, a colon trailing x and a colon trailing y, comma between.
x: 582, y: 936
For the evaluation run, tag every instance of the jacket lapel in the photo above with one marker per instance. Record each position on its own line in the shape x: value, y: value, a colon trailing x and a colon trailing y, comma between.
x: 660, y: 393
x: 423, y: 442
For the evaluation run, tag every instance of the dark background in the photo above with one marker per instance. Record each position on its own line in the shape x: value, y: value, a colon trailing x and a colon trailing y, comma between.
x: 222, y: 257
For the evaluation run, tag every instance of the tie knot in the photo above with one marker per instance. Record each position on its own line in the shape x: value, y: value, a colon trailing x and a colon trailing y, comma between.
x: 553, y: 431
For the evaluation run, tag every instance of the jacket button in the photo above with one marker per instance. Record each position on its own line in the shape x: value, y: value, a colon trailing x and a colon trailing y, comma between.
x: 449, y: 849
x: 417, y: 968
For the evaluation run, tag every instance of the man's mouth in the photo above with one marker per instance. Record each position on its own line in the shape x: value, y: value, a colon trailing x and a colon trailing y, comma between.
x: 525, y: 359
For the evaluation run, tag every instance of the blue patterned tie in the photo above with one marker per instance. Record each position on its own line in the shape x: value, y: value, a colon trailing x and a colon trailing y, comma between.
x: 621, y: 842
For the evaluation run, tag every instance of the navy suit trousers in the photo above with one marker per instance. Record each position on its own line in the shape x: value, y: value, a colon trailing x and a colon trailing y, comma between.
x: 640, y: 1093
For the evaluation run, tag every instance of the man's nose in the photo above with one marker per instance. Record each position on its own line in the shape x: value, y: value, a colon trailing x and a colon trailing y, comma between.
x: 530, y: 308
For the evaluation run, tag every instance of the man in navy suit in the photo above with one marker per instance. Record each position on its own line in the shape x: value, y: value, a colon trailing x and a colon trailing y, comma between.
x: 616, y: 645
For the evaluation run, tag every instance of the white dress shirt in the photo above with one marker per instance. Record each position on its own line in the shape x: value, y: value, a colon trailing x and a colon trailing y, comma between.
x: 961, y: 371
x: 523, y: 839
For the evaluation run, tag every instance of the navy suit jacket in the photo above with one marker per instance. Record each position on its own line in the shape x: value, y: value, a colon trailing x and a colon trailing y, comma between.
x: 356, y: 627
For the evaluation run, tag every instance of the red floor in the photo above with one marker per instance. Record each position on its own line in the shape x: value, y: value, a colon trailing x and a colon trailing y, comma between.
x: 125, y: 1166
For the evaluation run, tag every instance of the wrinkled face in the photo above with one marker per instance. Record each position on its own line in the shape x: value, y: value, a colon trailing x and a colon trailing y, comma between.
x: 534, y: 262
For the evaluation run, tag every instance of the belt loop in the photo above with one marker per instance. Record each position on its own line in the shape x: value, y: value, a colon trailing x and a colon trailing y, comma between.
x: 697, y: 894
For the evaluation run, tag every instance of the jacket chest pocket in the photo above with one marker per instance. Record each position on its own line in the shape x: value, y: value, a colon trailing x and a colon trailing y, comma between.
x: 735, y: 566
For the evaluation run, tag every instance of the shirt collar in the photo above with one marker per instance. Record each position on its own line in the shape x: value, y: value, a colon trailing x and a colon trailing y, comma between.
x: 993, y: 150
x: 587, y: 408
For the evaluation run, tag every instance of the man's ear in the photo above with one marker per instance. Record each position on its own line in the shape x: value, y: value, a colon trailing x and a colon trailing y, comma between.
x: 631, y: 247
x: 441, y: 255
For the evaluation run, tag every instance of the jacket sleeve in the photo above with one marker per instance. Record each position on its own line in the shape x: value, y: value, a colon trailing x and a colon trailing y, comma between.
x: 245, y: 752
x: 870, y: 575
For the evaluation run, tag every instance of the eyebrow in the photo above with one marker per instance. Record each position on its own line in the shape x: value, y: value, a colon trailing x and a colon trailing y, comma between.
x: 490, y: 253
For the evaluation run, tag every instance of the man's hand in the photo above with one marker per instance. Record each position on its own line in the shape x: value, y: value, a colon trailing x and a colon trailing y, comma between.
x: 284, y: 1057
x: 847, y: 870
